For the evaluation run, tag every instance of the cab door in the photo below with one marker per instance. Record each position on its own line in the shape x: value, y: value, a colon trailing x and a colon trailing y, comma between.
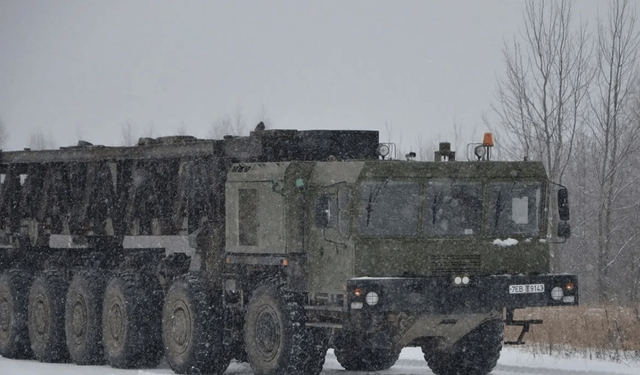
x: 331, y: 250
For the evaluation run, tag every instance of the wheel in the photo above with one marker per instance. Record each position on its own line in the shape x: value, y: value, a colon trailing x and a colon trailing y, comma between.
x: 83, y: 318
x: 192, y: 328
x: 365, y: 359
x: 46, y: 317
x: 316, y: 349
x: 275, y: 337
x: 476, y: 353
x: 14, y: 331
x: 131, y: 321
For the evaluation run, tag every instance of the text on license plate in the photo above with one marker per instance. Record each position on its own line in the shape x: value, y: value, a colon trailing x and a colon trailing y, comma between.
x: 526, y: 288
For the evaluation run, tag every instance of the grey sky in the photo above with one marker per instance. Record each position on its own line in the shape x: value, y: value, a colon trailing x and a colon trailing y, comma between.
x: 86, y: 68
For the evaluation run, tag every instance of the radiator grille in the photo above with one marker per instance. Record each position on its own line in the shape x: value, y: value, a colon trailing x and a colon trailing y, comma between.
x: 455, y: 263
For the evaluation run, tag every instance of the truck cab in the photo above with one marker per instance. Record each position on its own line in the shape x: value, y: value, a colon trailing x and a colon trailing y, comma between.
x: 401, y: 253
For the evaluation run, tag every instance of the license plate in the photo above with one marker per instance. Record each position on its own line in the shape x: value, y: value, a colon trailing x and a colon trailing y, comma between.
x: 526, y: 288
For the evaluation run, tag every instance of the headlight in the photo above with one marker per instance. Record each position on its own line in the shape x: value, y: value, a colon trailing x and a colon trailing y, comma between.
x: 383, y: 150
x: 480, y: 151
x: 372, y: 298
x: 557, y: 293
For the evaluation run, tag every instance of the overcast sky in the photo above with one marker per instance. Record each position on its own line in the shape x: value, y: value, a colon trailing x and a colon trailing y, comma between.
x: 86, y: 68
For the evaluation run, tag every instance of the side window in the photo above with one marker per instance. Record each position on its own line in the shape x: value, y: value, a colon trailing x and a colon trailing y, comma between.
x: 326, y: 211
x: 333, y: 212
x: 248, y: 217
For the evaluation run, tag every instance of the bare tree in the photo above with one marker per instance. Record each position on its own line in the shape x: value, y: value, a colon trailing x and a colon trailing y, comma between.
x: 150, y: 131
x: 615, y: 131
x: 239, y: 123
x: 543, y: 94
x: 228, y: 125
x: 39, y: 141
x: 262, y: 116
x: 220, y: 127
x: 182, y: 130
x: 128, y: 136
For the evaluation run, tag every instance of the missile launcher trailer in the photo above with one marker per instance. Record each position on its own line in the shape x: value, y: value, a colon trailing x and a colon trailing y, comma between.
x: 270, y: 249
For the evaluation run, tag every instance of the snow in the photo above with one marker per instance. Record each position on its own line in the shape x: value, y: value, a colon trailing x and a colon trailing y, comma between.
x: 505, y: 243
x: 512, y: 361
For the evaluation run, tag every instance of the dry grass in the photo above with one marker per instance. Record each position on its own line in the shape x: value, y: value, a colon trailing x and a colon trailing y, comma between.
x: 611, y: 332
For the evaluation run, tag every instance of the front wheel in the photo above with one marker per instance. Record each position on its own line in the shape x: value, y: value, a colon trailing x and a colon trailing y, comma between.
x: 476, y: 353
x: 275, y: 337
x: 192, y: 328
x: 366, y: 359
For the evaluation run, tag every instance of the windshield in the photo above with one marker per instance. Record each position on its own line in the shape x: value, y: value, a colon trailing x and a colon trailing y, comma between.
x: 453, y: 208
x: 389, y: 208
x: 514, y: 208
x: 449, y: 208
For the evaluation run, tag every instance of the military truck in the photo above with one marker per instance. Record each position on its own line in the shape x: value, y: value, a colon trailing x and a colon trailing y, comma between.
x: 271, y: 248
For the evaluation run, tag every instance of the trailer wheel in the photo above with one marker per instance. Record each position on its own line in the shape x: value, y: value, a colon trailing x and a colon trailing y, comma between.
x: 366, y: 359
x: 83, y: 317
x: 476, y: 353
x: 131, y: 321
x: 46, y: 317
x: 275, y: 337
x: 192, y: 328
x: 14, y: 331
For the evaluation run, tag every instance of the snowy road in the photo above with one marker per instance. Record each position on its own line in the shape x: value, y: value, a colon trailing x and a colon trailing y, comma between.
x: 512, y: 362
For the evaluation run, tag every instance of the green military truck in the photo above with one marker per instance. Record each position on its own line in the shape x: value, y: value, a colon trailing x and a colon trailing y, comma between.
x: 270, y: 249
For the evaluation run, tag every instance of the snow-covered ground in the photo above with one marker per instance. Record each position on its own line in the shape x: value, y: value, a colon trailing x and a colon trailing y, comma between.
x: 512, y: 361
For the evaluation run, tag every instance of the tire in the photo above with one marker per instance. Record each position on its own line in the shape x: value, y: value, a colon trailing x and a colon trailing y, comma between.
x: 316, y: 349
x: 275, y: 337
x: 131, y: 321
x: 477, y: 353
x: 366, y: 359
x: 83, y: 318
x: 14, y: 330
x: 193, y: 328
x: 46, y: 317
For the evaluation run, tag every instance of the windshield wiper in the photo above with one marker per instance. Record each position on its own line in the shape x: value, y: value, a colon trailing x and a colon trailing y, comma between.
x: 434, y: 206
x: 499, y: 203
x: 498, y: 209
x: 373, y: 196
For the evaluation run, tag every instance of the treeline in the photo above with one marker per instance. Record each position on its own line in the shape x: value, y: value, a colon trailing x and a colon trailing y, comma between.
x: 234, y: 123
x: 569, y: 97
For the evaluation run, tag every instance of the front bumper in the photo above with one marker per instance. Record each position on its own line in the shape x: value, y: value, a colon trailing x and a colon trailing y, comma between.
x: 441, y: 295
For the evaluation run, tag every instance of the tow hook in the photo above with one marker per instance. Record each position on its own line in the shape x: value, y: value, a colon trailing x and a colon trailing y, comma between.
x: 525, y: 324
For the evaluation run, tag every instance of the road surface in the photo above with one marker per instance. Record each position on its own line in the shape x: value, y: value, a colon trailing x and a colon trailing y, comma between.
x: 512, y: 362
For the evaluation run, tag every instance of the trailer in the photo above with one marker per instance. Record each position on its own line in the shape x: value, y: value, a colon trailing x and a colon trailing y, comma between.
x: 270, y: 249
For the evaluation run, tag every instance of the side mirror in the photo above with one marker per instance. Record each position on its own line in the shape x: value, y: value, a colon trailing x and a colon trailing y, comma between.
x: 564, y: 229
x: 563, y: 204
